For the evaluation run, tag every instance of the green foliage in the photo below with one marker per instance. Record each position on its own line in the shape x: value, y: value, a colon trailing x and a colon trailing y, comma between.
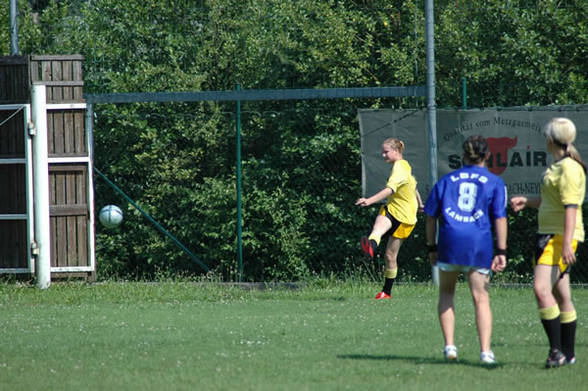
x: 300, y: 160
x: 521, y: 246
x: 513, y: 54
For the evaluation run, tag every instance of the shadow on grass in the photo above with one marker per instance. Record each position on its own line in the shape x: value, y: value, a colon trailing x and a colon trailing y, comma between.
x: 418, y: 360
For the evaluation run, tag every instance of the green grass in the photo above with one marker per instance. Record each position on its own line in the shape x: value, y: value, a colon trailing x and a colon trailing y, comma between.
x: 325, y: 336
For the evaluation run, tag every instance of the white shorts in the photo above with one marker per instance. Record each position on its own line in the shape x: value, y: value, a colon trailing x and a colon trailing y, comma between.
x: 450, y: 267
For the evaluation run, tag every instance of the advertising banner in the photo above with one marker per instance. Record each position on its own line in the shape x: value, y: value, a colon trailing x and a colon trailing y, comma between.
x: 515, y: 138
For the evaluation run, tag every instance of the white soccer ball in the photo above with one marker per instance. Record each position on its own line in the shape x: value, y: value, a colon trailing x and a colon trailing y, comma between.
x: 110, y: 216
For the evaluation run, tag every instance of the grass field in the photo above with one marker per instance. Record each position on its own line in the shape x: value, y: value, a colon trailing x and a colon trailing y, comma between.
x: 324, y: 336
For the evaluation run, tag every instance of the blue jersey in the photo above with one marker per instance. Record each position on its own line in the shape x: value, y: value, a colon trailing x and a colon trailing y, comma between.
x: 467, y: 201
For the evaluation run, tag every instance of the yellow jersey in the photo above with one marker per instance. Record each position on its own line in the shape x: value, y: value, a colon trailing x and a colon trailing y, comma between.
x: 402, y: 204
x: 563, y: 183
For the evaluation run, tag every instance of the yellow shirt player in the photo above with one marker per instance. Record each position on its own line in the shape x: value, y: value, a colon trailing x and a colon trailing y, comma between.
x: 564, y: 183
x: 398, y: 217
x: 402, y: 203
x: 560, y: 229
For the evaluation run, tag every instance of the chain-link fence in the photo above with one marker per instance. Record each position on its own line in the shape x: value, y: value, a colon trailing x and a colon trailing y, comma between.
x: 300, y: 166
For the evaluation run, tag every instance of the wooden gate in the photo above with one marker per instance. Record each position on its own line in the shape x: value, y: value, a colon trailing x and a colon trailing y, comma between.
x: 16, y: 227
x: 70, y: 165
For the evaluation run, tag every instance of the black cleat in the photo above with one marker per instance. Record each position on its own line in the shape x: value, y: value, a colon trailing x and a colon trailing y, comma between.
x: 555, y: 359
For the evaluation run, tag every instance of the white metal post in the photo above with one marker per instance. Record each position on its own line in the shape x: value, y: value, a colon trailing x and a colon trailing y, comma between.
x: 31, y: 252
x: 89, y: 123
x: 41, y: 186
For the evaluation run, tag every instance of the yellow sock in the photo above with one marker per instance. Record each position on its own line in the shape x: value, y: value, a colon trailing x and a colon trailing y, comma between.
x: 391, y: 273
x: 568, y: 316
x: 549, y: 312
x: 375, y: 238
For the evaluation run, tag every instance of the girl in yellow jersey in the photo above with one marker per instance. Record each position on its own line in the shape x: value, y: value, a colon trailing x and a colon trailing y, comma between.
x: 560, y: 229
x: 398, y: 216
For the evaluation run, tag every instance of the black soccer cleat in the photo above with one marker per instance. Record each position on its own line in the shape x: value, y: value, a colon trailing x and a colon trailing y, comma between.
x: 555, y: 359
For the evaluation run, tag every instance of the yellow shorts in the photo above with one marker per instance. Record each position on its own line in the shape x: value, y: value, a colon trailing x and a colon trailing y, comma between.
x: 548, y: 251
x: 399, y: 230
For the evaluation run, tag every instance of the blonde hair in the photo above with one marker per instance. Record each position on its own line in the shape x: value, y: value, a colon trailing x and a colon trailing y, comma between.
x: 562, y: 132
x: 394, y: 143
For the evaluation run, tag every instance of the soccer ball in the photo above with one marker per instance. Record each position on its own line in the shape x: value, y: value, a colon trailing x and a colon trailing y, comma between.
x: 110, y: 216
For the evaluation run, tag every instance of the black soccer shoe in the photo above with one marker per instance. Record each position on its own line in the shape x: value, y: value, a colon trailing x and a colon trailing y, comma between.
x: 555, y: 359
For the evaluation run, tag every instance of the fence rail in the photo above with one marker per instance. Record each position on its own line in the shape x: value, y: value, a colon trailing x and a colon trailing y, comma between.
x: 301, y: 176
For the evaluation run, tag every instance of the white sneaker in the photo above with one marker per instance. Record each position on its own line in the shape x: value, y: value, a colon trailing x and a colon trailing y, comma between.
x: 450, y: 352
x: 571, y: 360
x: 487, y: 357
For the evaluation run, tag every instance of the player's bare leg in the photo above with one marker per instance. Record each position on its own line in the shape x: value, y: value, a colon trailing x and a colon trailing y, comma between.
x: 381, y: 226
x: 392, y: 249
x: 543, y: 282
x: 445, y: 307
x: 479, y: 284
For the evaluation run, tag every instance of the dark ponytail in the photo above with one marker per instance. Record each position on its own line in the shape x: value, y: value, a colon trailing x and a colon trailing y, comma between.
x: 475, y: 149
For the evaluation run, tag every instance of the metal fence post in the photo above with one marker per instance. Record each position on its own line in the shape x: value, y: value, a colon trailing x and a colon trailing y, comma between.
x: 239, y: 211
x: 431, y: 105
x: 14, y: 50
x: 464, y: 93
x: 41, y: 186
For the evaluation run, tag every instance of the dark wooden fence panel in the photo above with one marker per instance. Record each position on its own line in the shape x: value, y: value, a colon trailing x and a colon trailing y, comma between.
x: 13, y: 197
x: 68, y: 215
x: 12, y: 139
x: 13, y: 250
x: 61, y: 74
x: 66, y: 133
x: 14, y: 80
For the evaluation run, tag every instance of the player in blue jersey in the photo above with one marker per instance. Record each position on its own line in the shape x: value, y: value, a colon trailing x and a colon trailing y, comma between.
x: 468, y: 202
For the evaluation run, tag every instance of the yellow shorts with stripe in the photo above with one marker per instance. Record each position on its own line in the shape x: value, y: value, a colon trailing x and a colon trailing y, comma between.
x: 548, y: 251
x: 399, y: 230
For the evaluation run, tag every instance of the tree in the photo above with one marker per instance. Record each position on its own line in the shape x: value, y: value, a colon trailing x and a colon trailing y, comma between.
x: 301, y: 160
x: 513, y: 54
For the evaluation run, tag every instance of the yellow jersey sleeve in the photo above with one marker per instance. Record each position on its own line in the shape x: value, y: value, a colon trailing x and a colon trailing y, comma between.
x: 572, y: 183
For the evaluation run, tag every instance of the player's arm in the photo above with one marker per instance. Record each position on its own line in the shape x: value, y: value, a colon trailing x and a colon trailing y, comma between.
x: 419, y: 200
x: 519, y: 202
x: 501, y: 228
x: 379, y: 196
x: 431, y: 233
x: 571, y: 187
x: 567, y: 251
